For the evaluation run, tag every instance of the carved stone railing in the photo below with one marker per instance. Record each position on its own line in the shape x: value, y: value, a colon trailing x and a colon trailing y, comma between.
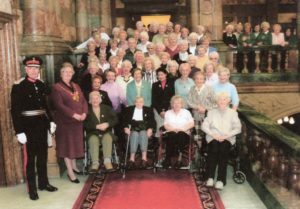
x: 270, y: 54
x: 271, y: 159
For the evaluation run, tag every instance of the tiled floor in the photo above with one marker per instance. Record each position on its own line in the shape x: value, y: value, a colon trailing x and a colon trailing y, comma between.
x: 234, y: 196
x: 239, y: 196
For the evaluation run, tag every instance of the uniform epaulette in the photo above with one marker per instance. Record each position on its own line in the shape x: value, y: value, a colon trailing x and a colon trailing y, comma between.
x: 19, y: 81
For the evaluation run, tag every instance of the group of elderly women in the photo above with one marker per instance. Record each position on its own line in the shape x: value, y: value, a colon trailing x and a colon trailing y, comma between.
x: 140, y: 109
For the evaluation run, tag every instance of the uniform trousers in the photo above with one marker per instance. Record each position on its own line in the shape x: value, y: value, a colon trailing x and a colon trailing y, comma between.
x: 37, y: 153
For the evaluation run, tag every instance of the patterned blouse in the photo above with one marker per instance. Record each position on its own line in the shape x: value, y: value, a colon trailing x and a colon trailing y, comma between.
x: 205, y: 97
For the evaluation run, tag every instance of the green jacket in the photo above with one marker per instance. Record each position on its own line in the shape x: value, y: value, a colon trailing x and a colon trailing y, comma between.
x: 107, y: 115
x: 246, y: 39
x: 264, y: 38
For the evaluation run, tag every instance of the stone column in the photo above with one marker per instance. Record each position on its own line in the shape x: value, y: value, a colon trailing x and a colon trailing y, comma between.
x: 106, y: 14
x: 41, y: 28
x: 194, y: 14
x: 211, y: 16
x: 82, y: 20
x: 94, y: 14
x: 11, y: 154
x: 68, y: 21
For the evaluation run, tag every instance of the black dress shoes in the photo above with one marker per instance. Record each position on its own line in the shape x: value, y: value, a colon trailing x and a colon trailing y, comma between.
x: 178, y: 165
x: 131, y: 165
x: 76, y: 181
x: 144, y: 164
x: 33, y: 195
x: 48, y: 188
x: 78, y: 172
x: 166, y: 164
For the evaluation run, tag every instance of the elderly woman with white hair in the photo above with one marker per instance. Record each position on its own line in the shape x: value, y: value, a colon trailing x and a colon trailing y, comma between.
x: 126, y: 78
x: 214, y: 57
x: 70, y: 110
x: 144, y: 38
x: 201, y: 99
x: 91, y: 52
x: 172, y: 68
x: 202, y: 56
x: 184, y: 83
x: 149, y: 73
x: 224, y: 85
x: 139, y: 125
x: 229, y: 37
x: 178, y: 122
x: 98, y: 126
x: 183, y: 54
x: 151, y: 52
x: 211, y: 77
x: 193, y: 37
x: 221, y: 127
x: 264, y: 39
x: 164, y: 58
x: 200, y: 30
x: 192, y: 60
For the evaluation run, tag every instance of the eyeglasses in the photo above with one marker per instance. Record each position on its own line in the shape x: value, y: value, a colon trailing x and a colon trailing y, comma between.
x: 150, y: 48
x: 213, y: 58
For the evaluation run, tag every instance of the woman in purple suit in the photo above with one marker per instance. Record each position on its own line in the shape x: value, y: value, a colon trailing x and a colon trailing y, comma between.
x: 70, y: 111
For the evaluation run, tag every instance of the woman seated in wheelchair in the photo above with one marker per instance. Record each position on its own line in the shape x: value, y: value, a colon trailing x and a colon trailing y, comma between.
x: 178, y: 123
x: 221, y: 126
x: 139, y: 125
x: 98, y: 126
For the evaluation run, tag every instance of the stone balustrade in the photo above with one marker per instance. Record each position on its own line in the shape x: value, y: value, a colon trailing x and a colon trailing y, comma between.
x: 261, y: 59
x: 271, y: 159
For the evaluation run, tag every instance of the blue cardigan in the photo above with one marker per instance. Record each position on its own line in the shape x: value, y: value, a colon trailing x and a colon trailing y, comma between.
x: 131, y: 93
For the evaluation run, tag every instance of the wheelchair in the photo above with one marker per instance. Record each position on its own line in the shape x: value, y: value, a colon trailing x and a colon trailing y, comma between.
x: 186, y: 155
x: 238, y: 177
x: 115, y: 159
x: 152, y: 154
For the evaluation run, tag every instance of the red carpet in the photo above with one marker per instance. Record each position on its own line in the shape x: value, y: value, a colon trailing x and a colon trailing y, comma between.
x: 147, y: 190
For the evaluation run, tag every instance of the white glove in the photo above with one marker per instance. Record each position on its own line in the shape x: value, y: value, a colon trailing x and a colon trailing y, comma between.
x: 52, y: 127
x: 49, y: 139
x: 22, y: 138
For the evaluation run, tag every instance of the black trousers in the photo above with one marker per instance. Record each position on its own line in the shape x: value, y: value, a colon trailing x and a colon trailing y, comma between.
x: 218, y: 153
x: 264, y: 56
x: 175, y: 142
x: 37, y: 154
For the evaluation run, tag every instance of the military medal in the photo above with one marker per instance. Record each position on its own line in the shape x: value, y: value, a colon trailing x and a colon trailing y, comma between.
x: 75, y: 96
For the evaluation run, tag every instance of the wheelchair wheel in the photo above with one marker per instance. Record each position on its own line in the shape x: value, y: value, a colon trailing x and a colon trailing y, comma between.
x: 239, y: 177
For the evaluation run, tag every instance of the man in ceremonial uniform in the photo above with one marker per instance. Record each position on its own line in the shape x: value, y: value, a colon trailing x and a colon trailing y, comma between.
x: 31, y: 122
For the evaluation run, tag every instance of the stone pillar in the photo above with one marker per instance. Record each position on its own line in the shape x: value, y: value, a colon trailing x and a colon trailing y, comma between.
x: 68, y: 21
x: 41, y: 28
x: 298, y: 33
x: 211, y: 16
x: 82, y: 20
x: 194, y: 14
x: 11, y: 169
x: 94, y: 14
x: 106, y: 14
